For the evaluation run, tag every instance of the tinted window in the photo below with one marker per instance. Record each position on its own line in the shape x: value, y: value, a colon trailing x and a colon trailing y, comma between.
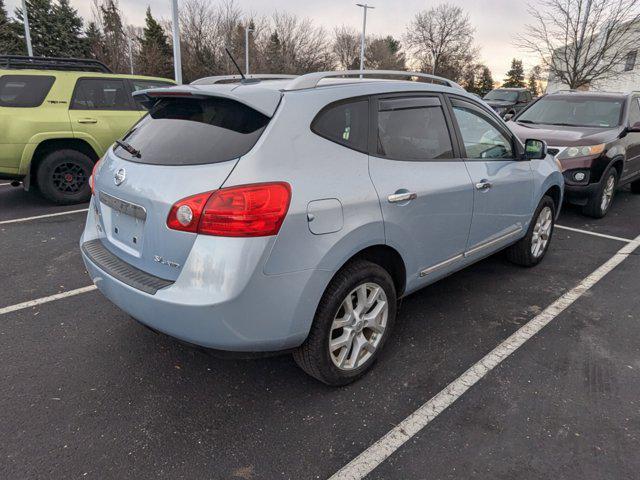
x: 413, y: 132
x: 24, y: 90
x: 630, y: 62
x: 481, y: 138
x: 346, y: 123
x: 101, y: 94
x: 574, y: 111
x: 145, y: 84
x: 189, y: 131
x: 504, y: 95
x: 634, y: 111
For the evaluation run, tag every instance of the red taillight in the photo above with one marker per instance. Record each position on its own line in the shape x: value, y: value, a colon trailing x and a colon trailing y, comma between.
x: 245, y: 211
x: 92, y: 178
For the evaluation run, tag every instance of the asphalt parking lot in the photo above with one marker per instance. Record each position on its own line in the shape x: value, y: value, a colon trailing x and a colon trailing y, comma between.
x: 89, y: 393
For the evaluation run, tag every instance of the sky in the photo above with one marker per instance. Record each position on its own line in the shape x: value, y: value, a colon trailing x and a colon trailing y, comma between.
x: 497, y: 22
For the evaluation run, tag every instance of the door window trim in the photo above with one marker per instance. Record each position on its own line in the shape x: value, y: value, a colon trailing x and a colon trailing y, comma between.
x: 127, y: 88
x: 373, y: 125
x: 493, y: 120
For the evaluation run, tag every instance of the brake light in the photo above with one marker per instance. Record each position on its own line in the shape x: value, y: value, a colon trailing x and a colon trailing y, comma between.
x: 256, y: 210
x: 92, y: 178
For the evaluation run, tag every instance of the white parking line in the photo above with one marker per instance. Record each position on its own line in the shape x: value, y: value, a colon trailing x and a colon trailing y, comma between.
x: 595, y: 234
x: 51, y: 298
x: 377, y: 453
x: 37, y: 217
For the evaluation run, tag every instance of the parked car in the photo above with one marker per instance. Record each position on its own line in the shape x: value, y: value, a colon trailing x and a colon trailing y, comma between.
x: 596, y: 138
x: 58, y: 116
x: 291, y: 215
x: 507, y: 102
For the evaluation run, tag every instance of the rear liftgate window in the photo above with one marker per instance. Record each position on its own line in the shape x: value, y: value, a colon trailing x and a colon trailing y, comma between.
x: 194, y: 131
x: 24, y: 91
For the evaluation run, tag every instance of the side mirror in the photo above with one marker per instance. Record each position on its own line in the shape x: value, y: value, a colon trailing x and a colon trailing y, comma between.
x: 535, y: 149
x: 508, y: 117
x: 635, y: 128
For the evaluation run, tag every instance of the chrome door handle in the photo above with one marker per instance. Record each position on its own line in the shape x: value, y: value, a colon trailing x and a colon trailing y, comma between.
x: 87, y: 120
x: 402, y: 197
x: 483, y: 185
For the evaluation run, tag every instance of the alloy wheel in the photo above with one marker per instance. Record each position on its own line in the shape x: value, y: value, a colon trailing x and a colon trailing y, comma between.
x: 607, y: 194
x: 69, y: 177
x: 358, y: 327
x: 542, y: 232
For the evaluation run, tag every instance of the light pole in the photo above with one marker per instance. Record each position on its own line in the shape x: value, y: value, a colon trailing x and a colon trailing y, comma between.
x: 365, y: 7
x: 130, y: 53
x: 27, y: 32
x: 177, y: 61
x: 247, y: 30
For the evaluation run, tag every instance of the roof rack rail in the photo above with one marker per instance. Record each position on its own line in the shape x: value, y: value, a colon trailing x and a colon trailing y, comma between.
x: 311, y: 80
x: 251, y: 78
x: 53, y: 63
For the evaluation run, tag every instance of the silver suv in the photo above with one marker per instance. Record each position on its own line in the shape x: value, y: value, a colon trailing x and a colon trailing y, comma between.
x: 291, y: 214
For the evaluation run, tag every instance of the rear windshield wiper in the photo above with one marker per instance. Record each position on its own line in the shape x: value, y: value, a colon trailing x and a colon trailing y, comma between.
x: 127, y: 147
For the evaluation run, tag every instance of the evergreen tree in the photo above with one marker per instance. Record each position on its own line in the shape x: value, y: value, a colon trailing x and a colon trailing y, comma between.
x: 515, y: 76
x: 43, y: 30
x: 11, y: 42
x: 273, y: 55
x: 115, y: 53
x: 534, y: 78
x: 155, y: 57
x: 69, y: 27
x: 486, y: 82
x: 94, y: 41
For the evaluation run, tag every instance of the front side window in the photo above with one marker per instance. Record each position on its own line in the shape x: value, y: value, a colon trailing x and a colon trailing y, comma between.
x: 346, y: 123
x: 24, y: 91
x: 101, y: 94
x: 413, y: 129
x: 574, y: 110
x: 482, y: 140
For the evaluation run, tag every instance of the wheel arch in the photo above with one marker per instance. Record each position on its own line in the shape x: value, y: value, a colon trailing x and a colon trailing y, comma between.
x: 47, y: 146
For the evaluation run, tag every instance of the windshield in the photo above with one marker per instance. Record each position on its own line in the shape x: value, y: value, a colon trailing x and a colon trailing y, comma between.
x: 504, y: 95
x: 574, y: 112
x: 193, y: 131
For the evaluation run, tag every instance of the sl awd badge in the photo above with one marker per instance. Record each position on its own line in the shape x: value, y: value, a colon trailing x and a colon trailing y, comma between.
x: 120, y: 177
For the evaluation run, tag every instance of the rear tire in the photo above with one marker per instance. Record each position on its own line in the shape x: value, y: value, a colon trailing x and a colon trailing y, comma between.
x: 63, y: 177
x: 530, y: 250
x: 363, y: 332
x: 600, y: 204
x: 635, y: 187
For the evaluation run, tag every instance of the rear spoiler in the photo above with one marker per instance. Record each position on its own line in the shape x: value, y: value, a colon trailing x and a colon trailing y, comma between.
x: 263, y: 100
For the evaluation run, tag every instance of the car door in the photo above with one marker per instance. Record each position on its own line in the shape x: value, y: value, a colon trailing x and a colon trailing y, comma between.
x: 632, y: 141
x: 503, y: 184
x: 102, y: 111
x: 424, y: 188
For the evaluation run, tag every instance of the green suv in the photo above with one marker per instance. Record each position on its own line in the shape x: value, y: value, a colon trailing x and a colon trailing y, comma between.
x: 58, y: 117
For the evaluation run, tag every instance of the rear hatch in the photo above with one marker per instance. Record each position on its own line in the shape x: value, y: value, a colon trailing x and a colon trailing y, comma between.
x: 186, y: 145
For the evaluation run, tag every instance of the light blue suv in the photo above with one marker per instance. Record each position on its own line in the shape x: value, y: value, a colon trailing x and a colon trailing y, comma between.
x: 291, y: 214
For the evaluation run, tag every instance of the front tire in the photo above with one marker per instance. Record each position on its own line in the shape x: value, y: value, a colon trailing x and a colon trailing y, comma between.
x: 63, y: 177
x: 530, y: 250
x: 353, y: 321
x: 598, y: 205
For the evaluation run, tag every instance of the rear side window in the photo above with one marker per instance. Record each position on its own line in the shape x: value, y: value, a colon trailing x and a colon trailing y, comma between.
x: 101, y: 94
x: 24, y: 91
x: 194, y: 131
x: 346, y: 123
x: 413, y: 129
x: 145, y: 84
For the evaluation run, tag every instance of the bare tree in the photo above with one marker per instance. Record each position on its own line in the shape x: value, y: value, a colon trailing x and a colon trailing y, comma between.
x: 441, y: 39
x: 582, y: 41
x: 346, y: 47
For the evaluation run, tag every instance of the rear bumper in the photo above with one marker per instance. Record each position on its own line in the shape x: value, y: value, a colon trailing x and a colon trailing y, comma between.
x: 219, y: 303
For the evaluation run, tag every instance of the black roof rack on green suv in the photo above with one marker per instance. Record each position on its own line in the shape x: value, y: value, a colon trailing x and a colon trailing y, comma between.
x: 53, y: 63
